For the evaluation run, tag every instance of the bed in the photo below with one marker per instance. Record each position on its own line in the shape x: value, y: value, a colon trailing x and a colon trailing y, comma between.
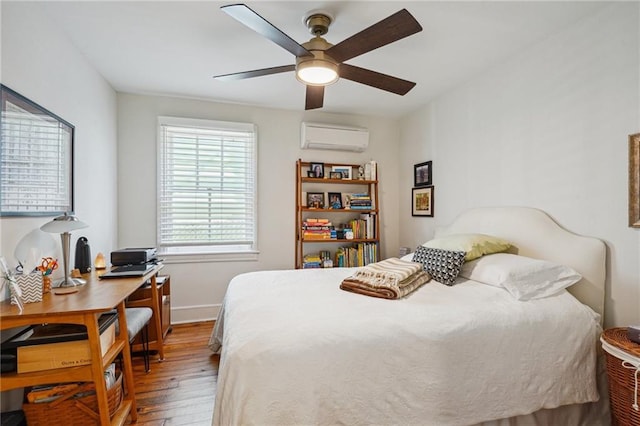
x: 295, y: 349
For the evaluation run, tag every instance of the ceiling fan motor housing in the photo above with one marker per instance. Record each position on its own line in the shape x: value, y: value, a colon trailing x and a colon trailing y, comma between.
x: 318, y: 22
x: 320, y: 61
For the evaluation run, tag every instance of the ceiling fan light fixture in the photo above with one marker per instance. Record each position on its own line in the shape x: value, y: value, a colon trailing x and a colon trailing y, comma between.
x: 317, y: 72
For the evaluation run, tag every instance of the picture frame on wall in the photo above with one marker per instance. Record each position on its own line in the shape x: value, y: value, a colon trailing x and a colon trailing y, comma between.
x: 634, y: 180
x: 423, y: 173
x: 422, y: 201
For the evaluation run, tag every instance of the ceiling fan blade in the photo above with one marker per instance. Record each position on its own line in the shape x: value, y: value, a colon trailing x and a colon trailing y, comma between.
x: 315, y: 97
x: 254, y: 73
x: 257, y: 23
x: 375, y: 79
x: 397, y: 26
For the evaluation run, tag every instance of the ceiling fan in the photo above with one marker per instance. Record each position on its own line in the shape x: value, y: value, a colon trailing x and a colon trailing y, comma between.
x: 318, y: 62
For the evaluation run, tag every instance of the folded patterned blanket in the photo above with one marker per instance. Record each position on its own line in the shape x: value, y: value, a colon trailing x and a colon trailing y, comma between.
x: 392, y: 269
x: 389, y: 279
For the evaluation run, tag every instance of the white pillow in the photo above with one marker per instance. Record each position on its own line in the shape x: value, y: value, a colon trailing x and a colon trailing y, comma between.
x: 407, y: 257
x: 525, y: 278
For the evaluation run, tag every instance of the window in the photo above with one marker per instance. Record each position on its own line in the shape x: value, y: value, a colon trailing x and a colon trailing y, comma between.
x: 207, y: 186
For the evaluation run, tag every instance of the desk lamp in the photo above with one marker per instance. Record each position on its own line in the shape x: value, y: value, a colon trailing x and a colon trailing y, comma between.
x: 64, y: 225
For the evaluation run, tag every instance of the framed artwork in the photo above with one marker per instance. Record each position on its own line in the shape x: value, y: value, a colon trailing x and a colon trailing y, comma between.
x: 335, y: 200
x: 634, y: 180
x: 422, y: 174
x: 315, y: 200
x: 335, y: 175
x: 317, y: 169
x: 36, y: 147
x: 344, y: 170
x: 422, y: 201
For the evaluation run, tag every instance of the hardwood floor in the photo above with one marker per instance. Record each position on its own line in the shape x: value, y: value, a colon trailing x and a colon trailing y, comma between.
x: 181, y: 389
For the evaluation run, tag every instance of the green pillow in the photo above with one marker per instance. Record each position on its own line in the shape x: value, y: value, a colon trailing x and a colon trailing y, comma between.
x: 474, y: 245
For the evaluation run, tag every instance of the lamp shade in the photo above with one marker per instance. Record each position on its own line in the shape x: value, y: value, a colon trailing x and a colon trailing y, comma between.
x: 317, y: 72
x: 64, y: 223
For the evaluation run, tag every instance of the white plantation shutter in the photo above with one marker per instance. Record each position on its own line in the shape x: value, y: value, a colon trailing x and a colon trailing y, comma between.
x: 207, y: 186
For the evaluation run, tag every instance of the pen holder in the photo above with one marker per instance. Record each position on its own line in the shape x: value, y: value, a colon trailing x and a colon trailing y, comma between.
x: 31, y: 287
x: 46, y: 284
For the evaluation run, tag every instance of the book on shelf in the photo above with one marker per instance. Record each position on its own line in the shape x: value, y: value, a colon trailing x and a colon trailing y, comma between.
x: 310, y: 261
x: 360, y: 196
x: 359, y: 254
x: 307, y: 224
x: 364, y: 227
x: 50, y: 392
x: 358, y: 201
x: 318, y: 220
x: 316, y: 237
x: 371, y: 170
x: 317, y: 229
x: 369, y: 224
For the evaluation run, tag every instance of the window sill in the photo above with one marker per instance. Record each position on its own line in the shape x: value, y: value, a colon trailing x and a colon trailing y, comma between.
x: 174, y: 258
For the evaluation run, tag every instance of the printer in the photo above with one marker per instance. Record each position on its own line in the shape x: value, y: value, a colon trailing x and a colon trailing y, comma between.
x: 133, y: 256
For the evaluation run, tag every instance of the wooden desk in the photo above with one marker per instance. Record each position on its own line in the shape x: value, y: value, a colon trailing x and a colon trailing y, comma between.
x: 84, y: 307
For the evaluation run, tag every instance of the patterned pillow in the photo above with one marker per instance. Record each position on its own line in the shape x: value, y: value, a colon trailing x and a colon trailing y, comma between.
x: 443, y: 265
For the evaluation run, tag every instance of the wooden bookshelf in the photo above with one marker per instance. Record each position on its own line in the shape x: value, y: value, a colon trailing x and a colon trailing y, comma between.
x: 306, y: 184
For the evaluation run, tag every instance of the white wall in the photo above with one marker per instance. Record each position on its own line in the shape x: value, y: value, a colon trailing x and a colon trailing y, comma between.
x: 198, y: 287
x: 547, y: 129
x: 39, y: 62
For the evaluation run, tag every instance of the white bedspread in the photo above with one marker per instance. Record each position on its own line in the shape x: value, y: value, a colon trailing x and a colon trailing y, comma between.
x: 298, y: 350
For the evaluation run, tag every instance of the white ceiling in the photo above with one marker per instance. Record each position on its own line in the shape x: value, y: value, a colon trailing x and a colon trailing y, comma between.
x: 175, y: 47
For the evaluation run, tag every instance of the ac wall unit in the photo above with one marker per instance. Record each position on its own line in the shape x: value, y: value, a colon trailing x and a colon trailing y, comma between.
x: 334, y: 137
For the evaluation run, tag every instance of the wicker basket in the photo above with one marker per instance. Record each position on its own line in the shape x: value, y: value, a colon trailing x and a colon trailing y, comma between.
x: 623, y: 361
x: 66, y: 410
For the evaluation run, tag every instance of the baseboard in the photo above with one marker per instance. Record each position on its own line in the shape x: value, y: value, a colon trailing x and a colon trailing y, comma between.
x: 199, y: 313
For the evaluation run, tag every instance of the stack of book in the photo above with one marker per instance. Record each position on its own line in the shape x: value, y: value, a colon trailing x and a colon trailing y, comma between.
x: 311, y: 260
x: 360, y: 254
x: 317, y: 229
x: 360, y: 202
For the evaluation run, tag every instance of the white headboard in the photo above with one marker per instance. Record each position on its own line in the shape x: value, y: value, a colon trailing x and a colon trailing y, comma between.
x: 535, y: 234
